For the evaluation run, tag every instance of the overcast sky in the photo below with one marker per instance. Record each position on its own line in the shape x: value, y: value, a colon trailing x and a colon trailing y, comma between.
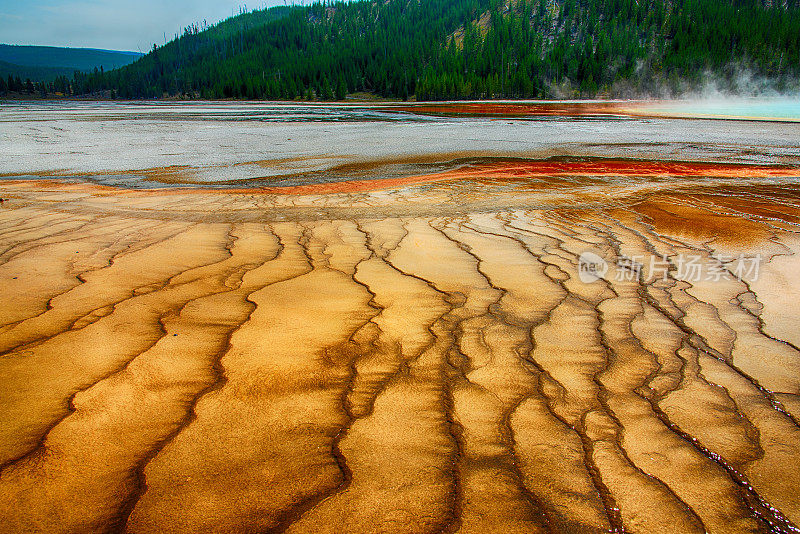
x: 111, y: 24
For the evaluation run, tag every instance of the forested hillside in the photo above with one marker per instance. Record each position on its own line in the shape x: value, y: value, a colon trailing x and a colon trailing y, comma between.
x: 436, y: 49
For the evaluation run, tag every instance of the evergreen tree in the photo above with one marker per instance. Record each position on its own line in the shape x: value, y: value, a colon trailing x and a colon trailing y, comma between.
x: 326, y: 91
x: 341, y: 89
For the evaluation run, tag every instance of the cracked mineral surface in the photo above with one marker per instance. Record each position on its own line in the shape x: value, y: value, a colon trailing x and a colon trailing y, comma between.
x: 360, y: 335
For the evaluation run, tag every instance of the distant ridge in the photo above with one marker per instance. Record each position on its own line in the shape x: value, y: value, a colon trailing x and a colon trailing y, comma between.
x: 44, y: 63
x: 33, y: 73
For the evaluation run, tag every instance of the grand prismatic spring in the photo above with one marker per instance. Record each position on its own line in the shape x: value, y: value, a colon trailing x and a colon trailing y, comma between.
x: 562, y: 317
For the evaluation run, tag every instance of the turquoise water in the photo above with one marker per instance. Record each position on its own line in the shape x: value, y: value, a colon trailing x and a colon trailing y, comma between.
x: 784, y: 108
